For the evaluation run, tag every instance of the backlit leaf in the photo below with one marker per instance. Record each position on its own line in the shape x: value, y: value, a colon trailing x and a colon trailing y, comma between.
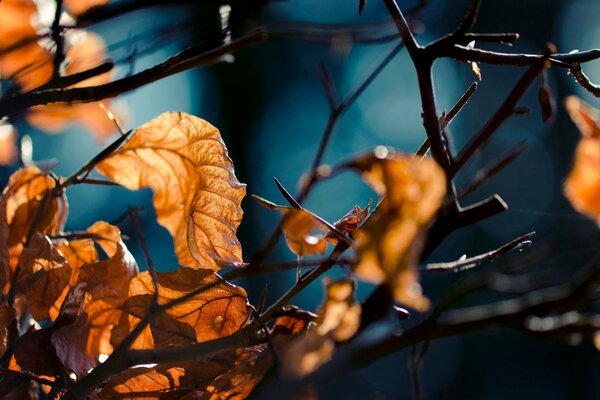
x: 196, y: 194
x: 389, y: 243
x: 582, y: 186
x: 215, y: 312
x: 87, y: 51
x: 301, y: 232
x: 43, y: 277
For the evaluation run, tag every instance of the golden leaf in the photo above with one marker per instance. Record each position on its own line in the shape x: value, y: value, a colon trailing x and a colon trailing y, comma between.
x: 78, y: 7
x: 196, y: 194
x: 215, y: 312
x: 338, y: 320
x: 27, y: 190
x: 582, y: 186
x: 299, y: 229
x: 87, y: 52
x: 389, y: 243
x: 43, y: 277
x: 22, y: 58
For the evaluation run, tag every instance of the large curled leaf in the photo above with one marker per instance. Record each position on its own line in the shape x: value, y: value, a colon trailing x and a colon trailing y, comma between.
x: 389, y: 243
x: 28, y: 200
x: 215, y: 312
x: 196, y: 194
x: 582, y: 186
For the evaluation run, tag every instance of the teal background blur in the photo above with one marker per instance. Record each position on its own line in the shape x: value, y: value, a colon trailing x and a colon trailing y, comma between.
x: 271, y: 110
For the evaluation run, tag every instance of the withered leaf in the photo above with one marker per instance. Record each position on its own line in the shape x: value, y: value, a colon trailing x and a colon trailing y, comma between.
x: 44, y: 275
x: 88, y: 50
x: 215, y: 312
x: 171, y: 380
x: 389, y: 243
x: 41, y: 353
x: 338, y: 320
x: 22, y: 58
x: 301, y: 231
x: 249, y: 367
x: 340, y: 314
x: 349, y: 222
x: 582, y: 186
x: 292, y: 320
x: 78, y: 7
x: 23, y: 194
x: 108, y: 280
x: 28, y: 190
x: 196, y: 194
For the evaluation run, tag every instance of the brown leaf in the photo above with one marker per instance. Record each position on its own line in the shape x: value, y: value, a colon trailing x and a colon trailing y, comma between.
x: 196, y: 194
x: 216, y: 312
x: 248, y: 369
x: 108, y: 280
x: 87, y: 51
x: 389, y: 243
x: 582, y: 186
x: 43, y: 277
x: 166, y: 381
x: 338, y: 320
x: 340, y: 314
x: 21, y: 56
x: 7, y: 316
x: 547, y: 103
x: 78, y: 7
x: 349, y: 222
x: 292, y: 320
x: 8, y: 144
x: 40, y: 353
x: 301, y: 233
x: 29, y: 189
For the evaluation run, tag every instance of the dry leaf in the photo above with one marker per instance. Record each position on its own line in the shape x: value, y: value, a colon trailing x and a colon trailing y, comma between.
x: 340, y: 315
x: 248, y: 369
x: 26, y: 191
x: 43, y: 277
x: 7, y: 316
x: 299, y: 228
x: 582, y: 186
x: 8, y: 143
x: 349, y: 222
x: 21, y: 56
x: 38, y: 351
x: 108, y: 280
x: 389, y: 243
x: 216, y: 312
x: 292, y: 320
x: 87, y: 51
x: 338, y: 320
x: 78, y: 7
x: 171, y: 380
x: 196, y: 194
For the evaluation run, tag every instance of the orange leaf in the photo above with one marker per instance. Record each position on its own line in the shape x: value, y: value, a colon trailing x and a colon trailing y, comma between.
x: 582, y: 186
x: 108, y: 280
x: 340, y: 314
x: 44, y: 275
x: 87, y: 51
x: 196, y: 194
x: 21, y: 57
x: 78, y: 7
x: 338, y: 320
x: 216, y: 312
x: 26, y: 191
x: 299, y: 229
x: 389, y: 243
x: 41, y: 353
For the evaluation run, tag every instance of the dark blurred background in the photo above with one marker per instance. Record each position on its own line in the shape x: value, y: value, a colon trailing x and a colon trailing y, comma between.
x: 269, y: 104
